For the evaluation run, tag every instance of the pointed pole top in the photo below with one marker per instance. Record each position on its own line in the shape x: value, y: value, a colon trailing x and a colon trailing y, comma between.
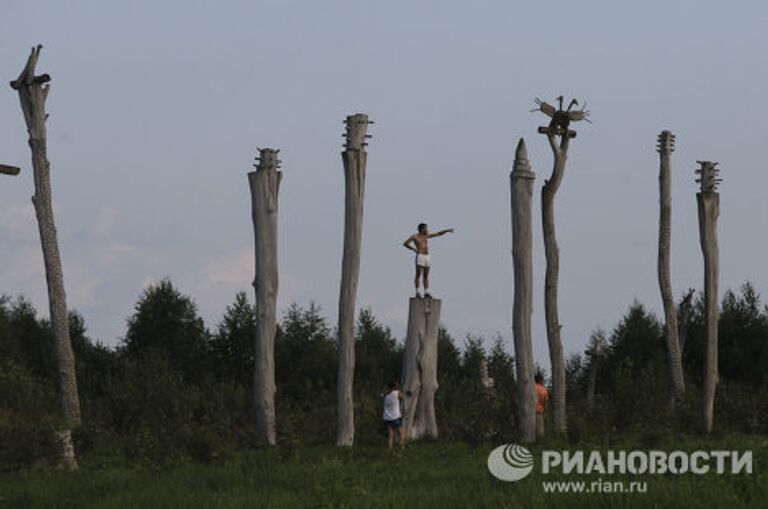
x: 521, y: 152
x: 521, y: 168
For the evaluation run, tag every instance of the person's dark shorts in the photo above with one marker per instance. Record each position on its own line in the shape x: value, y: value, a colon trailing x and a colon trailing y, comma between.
x: 395, y: 423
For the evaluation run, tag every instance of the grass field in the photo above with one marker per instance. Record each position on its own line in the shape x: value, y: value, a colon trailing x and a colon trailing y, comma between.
x: 424, y: 475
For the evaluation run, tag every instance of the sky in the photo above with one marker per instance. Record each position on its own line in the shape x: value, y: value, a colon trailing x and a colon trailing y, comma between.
x: 157, y: 110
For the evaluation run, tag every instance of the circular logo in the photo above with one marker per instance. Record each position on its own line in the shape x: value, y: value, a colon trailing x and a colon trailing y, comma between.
x: 510, y: 462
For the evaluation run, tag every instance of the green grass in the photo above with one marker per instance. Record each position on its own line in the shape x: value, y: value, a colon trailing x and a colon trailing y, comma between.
x: 425, y: 475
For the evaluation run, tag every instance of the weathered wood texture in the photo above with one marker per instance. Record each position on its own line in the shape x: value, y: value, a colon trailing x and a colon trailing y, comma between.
x: 420, y: 368
x: 521, y: 190
x: 32, y: 97
x: 666, y: 147
x: 551, y: 275
x: 265, y: 185
x: 354, y: 158
x: 709, y: 210
x: 9, y: 170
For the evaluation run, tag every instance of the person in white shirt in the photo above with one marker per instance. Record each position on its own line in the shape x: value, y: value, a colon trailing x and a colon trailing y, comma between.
x: 393, y: 419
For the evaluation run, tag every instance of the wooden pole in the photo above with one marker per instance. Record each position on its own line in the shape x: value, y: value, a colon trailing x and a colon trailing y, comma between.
x: 521, y: 190
x: 558, y: 126
x: 666, y: 147
x: 420, y: 368
x: 265, y: 185
x: 32, y: 96
x: 354, y: 158
x: 708, y: 200
x: 551, y: 275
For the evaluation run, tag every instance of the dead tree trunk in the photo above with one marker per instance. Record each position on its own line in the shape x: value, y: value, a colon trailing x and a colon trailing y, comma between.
x: 420, y: 368
x: 354, y: 158
x: 32, y: 96
x: 521, y: 187
x: 709, y: 209
x: 558, y: 126
x: 665, y: 149
x: 265, y: 185
x: 552, y: 272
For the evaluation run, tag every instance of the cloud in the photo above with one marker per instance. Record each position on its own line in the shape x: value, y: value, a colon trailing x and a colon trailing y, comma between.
x: 216, y: 281
x: 105, y: 222
x: 17, y: 220
x: 109, y: 255
x: 81, y: 285
x: 22, y: 274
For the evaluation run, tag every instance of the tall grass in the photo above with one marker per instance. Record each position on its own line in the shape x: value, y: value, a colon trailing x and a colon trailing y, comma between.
x: 424, y: 475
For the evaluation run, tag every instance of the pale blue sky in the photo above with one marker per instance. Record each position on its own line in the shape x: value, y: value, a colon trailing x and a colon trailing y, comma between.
x: 157, y: 109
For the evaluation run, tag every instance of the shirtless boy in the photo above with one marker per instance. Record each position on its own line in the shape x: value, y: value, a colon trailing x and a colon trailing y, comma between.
x: 419, y: 244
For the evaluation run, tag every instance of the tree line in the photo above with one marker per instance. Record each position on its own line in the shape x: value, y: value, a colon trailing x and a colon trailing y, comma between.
x: 175, y: 388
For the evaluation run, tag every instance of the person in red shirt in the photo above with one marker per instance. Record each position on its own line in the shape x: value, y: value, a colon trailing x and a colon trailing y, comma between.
x: 542, y: 396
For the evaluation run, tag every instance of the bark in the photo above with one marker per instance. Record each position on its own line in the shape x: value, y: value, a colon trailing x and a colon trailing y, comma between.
x: 552, y: 255
x: 666, y: 146
x: 354, y: 159
x: 521, y: 188
x: 420, y: 368
x: 32, y: 96
x: 265, y: 185
x: 709, y: 210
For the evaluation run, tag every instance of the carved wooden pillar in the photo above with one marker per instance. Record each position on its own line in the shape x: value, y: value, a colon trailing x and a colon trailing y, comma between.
x: 265, y: 185
x: 521, y: 189
x: 709, y: 210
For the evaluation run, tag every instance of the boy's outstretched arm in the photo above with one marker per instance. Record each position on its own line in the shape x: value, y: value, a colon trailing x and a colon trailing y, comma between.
x: 440, y: 233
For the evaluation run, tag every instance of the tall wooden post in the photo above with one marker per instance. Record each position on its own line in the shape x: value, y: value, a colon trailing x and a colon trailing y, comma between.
x: 265, y: 185
x: 521, y: 189
x: 558, y: 126
x: 420, y: 367
x: 354, y: 158
x: 665, y: 149
x: 32, y: 95
x: 709, y: 210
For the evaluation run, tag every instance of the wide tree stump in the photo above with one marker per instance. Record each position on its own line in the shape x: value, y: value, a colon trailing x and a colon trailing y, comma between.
x: 420, y: 368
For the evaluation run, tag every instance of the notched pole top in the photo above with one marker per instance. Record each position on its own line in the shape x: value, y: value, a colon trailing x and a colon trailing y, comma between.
x: 27, y: 76
x: 666, y: 142
x: 707, y: 176
x: 267, y: 159
x: 356, y: 131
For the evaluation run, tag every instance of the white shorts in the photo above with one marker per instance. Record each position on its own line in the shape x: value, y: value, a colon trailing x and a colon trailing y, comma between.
x: 423, y: 260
